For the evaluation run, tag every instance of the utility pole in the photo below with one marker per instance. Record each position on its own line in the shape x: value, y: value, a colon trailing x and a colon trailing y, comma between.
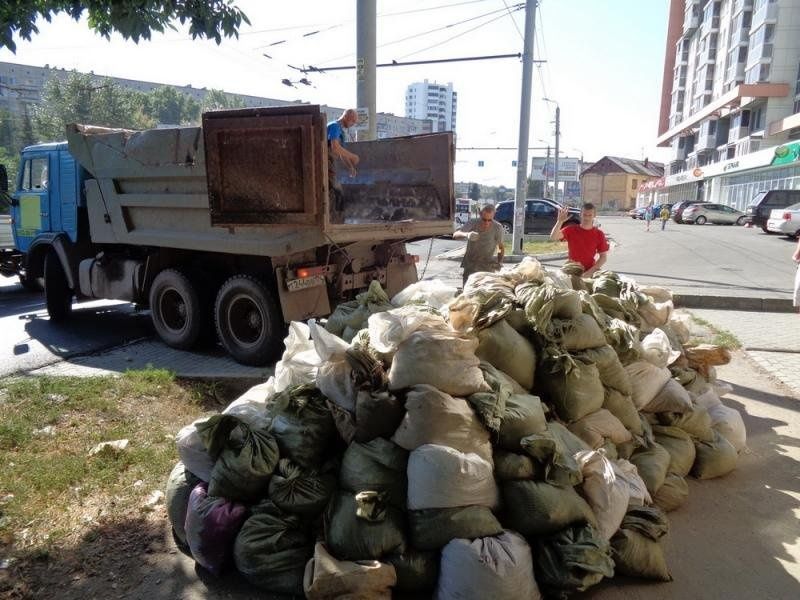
x: 366, y: 24
x: 547, y: 174
x: 558, y: 134
x: 524, y: 127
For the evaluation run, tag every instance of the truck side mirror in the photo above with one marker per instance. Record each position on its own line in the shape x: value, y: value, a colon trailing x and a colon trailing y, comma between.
x: 3, y: 179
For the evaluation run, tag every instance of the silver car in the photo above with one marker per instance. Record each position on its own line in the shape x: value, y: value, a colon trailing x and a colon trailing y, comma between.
x: 700, y: 214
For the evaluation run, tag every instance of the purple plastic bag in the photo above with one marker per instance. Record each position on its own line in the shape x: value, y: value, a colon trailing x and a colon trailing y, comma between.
x: 212, y: 524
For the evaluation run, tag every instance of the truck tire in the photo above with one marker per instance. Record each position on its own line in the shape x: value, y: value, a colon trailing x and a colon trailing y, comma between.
x: 57, y: 293
x: 176, y: 309
x: 32, y: 285
x: 249, y: 324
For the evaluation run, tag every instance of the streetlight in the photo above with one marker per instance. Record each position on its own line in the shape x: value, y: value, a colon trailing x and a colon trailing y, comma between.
x: 558, y: 135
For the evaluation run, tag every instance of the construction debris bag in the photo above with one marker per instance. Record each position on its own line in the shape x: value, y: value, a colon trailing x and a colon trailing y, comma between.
x: 523, y: 416
x: 620, y: 309
x: 574, y: 335
x: 672, y: 398
x: 673, y: 494
x: 535, y: 508
x: 636, y: 547
x: 715, y: 458
x: 572, y: 387
x: 519, y: 322
x: 302, y: 425
x: 351, y: 317
x: 599, y: 426
x: 417, y: 571
x: 365, y: 528
x: 300, y: 360
x: 509, y: 466
x: 245, y: 459
x: 490, y: 405
x: 179, y: 487
x: 610, y: 286
x: 378, y: 465
x: 326, y: 578
x: 441, y: 477
x: 728, y: 421
x: 696, y: 422
x: 545, y: 302
x: 445, y: 360
x: 192, y: 451
x: 655, y: 314
x: 251, y: 407
x: 622, y: 407
x: 647, y: 381
x: 680, y: 446
x: 505, y: 349
x: 429, y: 292
x: 378, y: 414
x: 607, y: 495
x: 387, y: 330
x: 272, y: 548
x: 657, y: 350
x: 624, y: 339
x: 555, y: 450
x: 653, y: 464
x: 609, y: 367
x: 335, y: 377
x: 211, y: 527
x: 628, y: 473
x: 301, y: 491
x: 433, y: 417
x: 494, y: 294
x: 433, y: 528
x: 500, y: 568
x: 572, y: 560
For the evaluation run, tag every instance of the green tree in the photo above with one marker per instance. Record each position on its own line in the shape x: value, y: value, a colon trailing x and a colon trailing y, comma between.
x: 475, y: 192
x: 219, y: 100
x: 133, y: 19
x: 168, y: 106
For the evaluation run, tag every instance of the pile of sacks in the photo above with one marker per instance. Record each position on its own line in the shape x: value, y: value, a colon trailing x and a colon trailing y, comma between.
x: 523, y: 438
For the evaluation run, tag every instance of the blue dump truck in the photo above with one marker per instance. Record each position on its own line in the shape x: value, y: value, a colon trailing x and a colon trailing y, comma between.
x: 226, y: 231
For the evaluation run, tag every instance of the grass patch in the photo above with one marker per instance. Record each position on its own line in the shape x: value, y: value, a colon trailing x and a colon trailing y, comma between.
x: 50, y: 489
x: 718, y: 337
x: 539, y: 247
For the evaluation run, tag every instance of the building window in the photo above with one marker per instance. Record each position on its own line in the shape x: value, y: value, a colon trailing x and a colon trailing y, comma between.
x: 634, y: 184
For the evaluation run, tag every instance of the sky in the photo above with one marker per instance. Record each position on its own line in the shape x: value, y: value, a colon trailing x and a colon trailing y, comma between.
x: 604, y: 62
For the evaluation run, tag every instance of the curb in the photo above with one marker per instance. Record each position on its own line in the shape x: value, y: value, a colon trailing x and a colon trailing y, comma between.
x: 776, y: 305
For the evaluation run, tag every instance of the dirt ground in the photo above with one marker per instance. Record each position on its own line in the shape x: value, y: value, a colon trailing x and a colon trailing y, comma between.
x: 737, y: 537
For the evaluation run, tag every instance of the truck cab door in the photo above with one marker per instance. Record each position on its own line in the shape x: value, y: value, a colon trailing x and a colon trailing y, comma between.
x: 32, y: 199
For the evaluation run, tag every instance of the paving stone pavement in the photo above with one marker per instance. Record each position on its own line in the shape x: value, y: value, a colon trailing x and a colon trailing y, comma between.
x: 772, y: 340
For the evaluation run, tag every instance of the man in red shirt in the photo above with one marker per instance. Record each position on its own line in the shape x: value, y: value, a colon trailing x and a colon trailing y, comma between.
x: 585, y: 242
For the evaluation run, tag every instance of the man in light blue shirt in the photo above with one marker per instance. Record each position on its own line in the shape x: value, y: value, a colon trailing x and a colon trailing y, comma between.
x: 336, y: 140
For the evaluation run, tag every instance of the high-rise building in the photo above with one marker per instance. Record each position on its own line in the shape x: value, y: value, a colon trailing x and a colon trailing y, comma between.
x: 434, y: 101
x: 730, y: 104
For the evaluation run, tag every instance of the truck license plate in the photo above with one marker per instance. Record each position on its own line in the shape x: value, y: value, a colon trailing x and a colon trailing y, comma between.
x: 295, y: 285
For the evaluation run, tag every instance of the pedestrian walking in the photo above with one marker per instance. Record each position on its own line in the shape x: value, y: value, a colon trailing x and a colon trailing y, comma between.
x: 648, y: 214
x: 484, y: 238
x: 664, y: 215
x: 796, y: 257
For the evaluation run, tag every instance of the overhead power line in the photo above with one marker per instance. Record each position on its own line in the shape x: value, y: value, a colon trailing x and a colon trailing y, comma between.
x: 513, y: 20
x: 394, y: 63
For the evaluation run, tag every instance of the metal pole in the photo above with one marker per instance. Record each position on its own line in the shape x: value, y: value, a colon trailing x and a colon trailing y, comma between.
x: 558, y: 133
x: 546, y: 193
x: 524, y: 127
x: 366, y: 24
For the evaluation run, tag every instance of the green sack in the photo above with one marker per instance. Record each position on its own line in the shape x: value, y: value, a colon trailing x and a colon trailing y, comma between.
x: 636, y: 555
x: 622, y: 407
x: 378, y: 414
x: 535, y: 508
x: 245, y: 458
x: 505, y: 349
x: 574, y: 335
x: 612, y: 373
x: 624, y: 339
x: 572, y: 560
x: 524, y: 415
x: 652, y: 463
x: 572, y: 387
x: 378, y: 465
x: 355, y: 530
x: 491, y: 406
x: 609, y: 286
x: 301, y: 491
x: 433, y: 528
x: 610, y: 449
x: 673, y: 494
x: 544, y: 302
x: 509, y: 466
x: 417, y: 571
x: 617, y: 308
x: 680, y: 446
x: 272, y: 549
x: 303, y: 426
x: 555, y: 451
x: 696, y: 422
x: 179, y: 485
x: 715, y: 458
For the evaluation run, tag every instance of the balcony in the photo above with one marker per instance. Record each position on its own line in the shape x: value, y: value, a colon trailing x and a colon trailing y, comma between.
x: 691, y: 18
x: 741, y: 5
x: 738, y: 132
x: 735, y: 72
x: 710, y: 25
x: 677, y: 166
x: 705, y: 141
x: 768, y: 13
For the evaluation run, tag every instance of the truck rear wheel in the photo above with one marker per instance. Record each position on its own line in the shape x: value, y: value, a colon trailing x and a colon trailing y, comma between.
x: 57, y: 293
x: 176, y: 309
x: 249, y: 324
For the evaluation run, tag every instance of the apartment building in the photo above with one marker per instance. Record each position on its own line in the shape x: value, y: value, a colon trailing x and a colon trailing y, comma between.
x: 730, y: 99
x: 434, y: 101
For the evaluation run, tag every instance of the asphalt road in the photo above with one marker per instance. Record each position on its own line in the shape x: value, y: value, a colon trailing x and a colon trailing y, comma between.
x: 705, y: 260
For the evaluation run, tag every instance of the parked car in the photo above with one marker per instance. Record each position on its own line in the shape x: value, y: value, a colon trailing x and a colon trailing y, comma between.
x: 638, y: 213
x: 700, y: 214
x: 677, y: 209
x: 765, y: 202
x: 540, y: 215
x: 785, y: 220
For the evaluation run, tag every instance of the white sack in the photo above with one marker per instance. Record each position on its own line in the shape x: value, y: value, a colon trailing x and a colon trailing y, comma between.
x: 433, y: 292
x: 193, y: 452
x: 388, y: 329
x: 657, y: 350
x: 334, y: 377
x: 627, y: 472
x: 607, y: 494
